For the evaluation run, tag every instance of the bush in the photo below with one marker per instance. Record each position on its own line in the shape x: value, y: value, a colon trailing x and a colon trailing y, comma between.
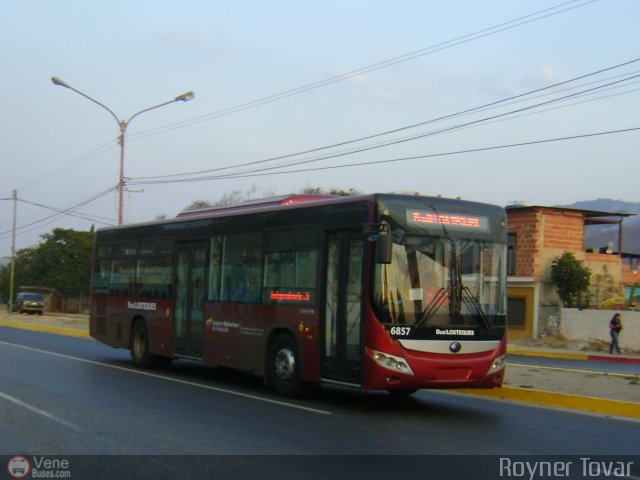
x: 571, y: 279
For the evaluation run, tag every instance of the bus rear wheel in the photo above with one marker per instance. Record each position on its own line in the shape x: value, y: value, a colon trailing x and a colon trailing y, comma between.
x: 403, y: 393
x: 284, y: 366
x: 140, y: 352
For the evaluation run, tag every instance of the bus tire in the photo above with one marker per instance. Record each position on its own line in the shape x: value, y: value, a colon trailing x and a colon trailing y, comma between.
x: 403, y: 393
x: 140, y: 352
x: 284, y: 366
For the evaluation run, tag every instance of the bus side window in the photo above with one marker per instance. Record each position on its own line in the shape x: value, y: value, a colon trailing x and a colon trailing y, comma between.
x: 236, y: 268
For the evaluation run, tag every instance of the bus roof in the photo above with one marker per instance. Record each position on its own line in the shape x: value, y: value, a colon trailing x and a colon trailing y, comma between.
x: 262, y: 202
x: 283, y: 202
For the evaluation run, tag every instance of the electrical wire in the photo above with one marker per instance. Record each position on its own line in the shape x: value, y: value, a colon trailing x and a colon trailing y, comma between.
x: 174, y: 179
x: 66, y: 167
x: 432, y: 155
x: 516, y: 22
x: 22, y: 229
x: 399, y: 129
x: 539, y: 15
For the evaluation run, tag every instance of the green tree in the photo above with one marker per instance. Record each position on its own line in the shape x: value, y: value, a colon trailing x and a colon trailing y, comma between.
x: 238, y: 196
x: 571, y: 279
x: 332, y: 191
x: 62, y: 261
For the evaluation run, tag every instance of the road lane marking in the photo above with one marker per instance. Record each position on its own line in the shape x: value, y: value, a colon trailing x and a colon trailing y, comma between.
x: 170, y: 379
x: 39, y: 411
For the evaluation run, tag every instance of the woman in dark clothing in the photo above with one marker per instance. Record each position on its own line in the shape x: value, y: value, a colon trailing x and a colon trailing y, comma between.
x: 615, y: 325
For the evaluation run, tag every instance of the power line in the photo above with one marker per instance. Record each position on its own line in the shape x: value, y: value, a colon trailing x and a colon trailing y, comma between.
x: 91, y: 218
x: 174, y: 179
x: 417, y: 157
x: 22, y: 229
x: 67, y: 166
x: 516, y: 22
x: 539, y: 15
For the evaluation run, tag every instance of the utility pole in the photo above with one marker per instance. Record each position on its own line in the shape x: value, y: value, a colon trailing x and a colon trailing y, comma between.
x: 13, y: 251
x: 129, y: 192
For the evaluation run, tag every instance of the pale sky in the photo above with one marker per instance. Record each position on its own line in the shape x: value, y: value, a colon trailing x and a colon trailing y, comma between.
x: 436, y: 59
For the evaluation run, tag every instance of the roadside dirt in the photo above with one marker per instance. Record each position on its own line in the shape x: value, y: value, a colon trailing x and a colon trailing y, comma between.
x: 625, y: 388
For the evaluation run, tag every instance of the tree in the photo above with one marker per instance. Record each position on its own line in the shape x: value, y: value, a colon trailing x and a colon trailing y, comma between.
x: 62, y: 261
x: 232, y: 198
x: 238, y: 196
x: 571, y: 279
x: 332, y: 191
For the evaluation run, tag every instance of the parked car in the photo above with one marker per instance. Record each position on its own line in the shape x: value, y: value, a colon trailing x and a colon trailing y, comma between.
x: 27, y: 302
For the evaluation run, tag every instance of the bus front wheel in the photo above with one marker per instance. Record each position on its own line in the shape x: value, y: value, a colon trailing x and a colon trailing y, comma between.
x: 140, y: 352
x: 284, y: 366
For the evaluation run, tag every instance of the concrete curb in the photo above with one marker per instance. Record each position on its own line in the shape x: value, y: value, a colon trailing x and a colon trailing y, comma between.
x: 71, y: 332
x: 571, y: 356
x: 560, y: 400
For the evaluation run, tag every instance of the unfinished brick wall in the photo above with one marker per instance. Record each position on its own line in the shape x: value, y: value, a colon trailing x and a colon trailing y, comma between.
x: 543, y: 234
x: 526, y: 226
x: 563, y: 230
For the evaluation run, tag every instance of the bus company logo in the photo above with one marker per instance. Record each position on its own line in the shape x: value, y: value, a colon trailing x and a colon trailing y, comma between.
x: 149, y: 306
x: 18, y: 467
x: 455, y: 332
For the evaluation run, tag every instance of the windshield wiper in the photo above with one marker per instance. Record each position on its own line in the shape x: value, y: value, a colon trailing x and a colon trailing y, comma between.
x: 473, y: 304
x: 432, y: 307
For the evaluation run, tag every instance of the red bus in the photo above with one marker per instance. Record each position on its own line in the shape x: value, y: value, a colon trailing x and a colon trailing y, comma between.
x: 379, y: 292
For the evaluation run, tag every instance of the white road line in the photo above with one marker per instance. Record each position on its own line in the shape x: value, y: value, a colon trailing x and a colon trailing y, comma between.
x: 39, y: 411
x: 170, y: 379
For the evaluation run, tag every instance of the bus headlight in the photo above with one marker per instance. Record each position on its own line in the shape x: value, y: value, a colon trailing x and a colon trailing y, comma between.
x: 390, y: 362
x: 497, y: 365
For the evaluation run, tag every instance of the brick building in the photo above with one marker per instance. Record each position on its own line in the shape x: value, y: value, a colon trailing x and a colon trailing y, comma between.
x: 538, y: 235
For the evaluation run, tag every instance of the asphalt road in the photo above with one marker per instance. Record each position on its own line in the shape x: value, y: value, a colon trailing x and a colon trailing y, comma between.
x: 67, y: 396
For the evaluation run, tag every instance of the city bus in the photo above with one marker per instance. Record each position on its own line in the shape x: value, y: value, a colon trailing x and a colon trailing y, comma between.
x: 377, y: 292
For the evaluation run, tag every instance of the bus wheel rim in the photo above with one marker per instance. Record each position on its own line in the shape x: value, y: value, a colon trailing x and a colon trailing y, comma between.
x: 284, y: 364
x: 138, y: 344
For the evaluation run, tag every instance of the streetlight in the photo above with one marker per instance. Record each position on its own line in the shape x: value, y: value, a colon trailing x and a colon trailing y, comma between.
x: 185, y: 97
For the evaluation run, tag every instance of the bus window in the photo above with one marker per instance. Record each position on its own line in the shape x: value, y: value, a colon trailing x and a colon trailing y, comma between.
x: 236, y: 268
x: 102, y: 276
x: 123, y: 276
x: 154, y: 277
x: 290, y: 276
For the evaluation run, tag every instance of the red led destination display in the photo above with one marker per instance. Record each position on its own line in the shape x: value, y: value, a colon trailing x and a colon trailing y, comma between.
x: 288, y: 296
x: 456, y: 221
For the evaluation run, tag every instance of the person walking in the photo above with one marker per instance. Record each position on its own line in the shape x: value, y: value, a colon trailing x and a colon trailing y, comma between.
x: 615, y: 325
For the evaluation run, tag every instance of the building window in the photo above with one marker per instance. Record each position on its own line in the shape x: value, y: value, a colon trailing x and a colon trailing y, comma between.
x: 511, y: 253
x: 516, y: 311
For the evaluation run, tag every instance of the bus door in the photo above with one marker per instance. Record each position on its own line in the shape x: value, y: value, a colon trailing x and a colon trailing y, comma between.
x: 343, y: 307
x: 188, y: 316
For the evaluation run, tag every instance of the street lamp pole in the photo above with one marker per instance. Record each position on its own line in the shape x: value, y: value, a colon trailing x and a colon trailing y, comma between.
x: 122, y: 124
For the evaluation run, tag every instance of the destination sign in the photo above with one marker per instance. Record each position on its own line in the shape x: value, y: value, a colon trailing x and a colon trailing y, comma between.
x: 286, y: 296
x: 456, y: 221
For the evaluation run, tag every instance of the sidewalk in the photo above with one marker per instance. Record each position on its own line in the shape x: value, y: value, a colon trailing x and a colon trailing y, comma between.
x: 578, y: 389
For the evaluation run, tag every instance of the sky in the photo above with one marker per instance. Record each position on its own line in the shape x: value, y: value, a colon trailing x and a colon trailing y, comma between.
x: 407, y: 96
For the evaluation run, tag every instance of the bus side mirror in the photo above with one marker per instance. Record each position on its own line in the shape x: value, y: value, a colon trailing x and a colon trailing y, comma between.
x: 384, y: 247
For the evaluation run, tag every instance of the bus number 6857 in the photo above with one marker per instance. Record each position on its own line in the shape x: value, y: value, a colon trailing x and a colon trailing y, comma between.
x: 400, y: 331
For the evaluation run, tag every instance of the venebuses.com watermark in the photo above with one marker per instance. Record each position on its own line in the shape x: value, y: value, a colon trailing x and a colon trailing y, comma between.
x: 38, y: 467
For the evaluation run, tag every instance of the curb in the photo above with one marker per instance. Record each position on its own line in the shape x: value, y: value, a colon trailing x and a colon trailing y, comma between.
x: 571, y: 356
x: 72, y: 332
x: 560, y: 400
x: 538, y: 353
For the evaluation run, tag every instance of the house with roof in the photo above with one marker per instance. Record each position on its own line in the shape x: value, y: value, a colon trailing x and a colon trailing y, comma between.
x: 537, y: 235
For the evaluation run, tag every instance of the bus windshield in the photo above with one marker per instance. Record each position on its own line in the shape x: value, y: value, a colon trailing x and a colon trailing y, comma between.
x: 442, y: 281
